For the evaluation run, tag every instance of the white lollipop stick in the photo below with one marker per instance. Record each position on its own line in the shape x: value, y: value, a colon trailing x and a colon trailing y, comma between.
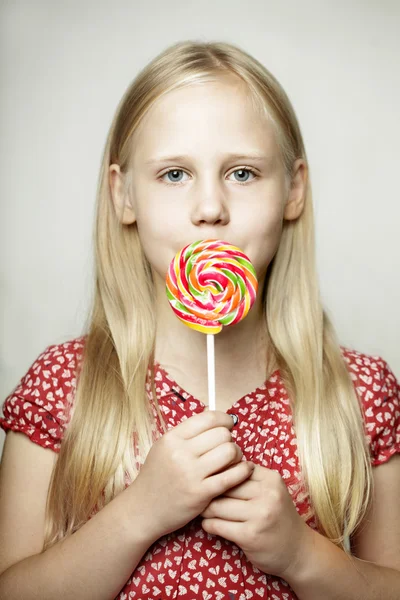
x: 211, y: 371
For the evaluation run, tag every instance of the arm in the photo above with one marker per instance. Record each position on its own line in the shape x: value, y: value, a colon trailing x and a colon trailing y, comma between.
x: 93, y: 563
x: 373, y: 572
x: 98, y: 559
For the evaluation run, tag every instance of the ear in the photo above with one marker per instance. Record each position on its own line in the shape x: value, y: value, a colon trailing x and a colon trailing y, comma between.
x: 296, y: 197
x: 122, y: 204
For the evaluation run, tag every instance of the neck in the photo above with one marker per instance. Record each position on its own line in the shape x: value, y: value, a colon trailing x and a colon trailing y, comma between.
x: 240, y: 351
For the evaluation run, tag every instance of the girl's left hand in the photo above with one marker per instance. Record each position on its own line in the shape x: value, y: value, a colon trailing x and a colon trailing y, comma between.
x: 260, y: 517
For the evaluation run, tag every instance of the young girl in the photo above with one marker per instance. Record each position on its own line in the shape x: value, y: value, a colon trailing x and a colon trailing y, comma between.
x: 116, y: 480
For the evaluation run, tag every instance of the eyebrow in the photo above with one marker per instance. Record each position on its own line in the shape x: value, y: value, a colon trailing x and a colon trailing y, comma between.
x: 230, y: 156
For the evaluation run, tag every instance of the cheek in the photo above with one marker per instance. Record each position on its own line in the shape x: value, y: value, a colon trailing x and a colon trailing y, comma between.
x: 265, y: 240
x: 267, y: 215
x: 269, y: 221
x: 155, y: 251
x: 158, y: 229
x: 156, y: 213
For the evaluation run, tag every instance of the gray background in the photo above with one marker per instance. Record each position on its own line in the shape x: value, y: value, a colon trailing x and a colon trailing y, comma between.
x: 64, y: 68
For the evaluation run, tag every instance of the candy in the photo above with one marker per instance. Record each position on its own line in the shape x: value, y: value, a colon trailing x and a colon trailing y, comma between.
x: 211, y: 284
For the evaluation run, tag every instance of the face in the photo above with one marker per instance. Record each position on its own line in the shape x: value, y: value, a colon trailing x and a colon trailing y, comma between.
x: 188, y: 184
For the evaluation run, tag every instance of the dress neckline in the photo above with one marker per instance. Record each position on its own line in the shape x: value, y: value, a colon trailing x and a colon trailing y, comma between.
x: 258, y: 392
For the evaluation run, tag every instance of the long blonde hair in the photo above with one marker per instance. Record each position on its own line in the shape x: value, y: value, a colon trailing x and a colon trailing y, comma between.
x: 97, y: 453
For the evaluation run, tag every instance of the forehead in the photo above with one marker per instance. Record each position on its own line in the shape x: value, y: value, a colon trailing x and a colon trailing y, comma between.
x: 204, y: 116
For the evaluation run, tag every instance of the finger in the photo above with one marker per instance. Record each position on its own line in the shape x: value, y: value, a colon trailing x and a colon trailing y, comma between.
x: 262, y: 473
x: 206, y: 441
x: 244, y: 491
x: 218, y: 484
x: 219, y: 458
x: 203, y: 421
x: 230, y: 530
x: 228, y: 509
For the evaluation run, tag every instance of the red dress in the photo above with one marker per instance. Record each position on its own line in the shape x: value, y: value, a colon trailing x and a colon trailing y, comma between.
x: 190, y: 562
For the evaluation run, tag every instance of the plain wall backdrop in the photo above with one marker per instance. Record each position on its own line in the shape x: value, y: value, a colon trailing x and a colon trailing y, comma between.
x: 64, y: 67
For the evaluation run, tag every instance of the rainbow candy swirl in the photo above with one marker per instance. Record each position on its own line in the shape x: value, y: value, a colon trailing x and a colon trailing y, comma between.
x: 211, y: 284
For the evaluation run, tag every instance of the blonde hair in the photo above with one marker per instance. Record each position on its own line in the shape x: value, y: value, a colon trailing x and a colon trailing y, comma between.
x: 111, y: 415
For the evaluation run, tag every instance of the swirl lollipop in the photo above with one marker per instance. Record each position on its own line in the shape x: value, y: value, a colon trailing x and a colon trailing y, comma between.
x: 211, y: 284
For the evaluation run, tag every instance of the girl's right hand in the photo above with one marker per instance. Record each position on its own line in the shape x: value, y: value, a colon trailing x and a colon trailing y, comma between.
x: 185, y: 469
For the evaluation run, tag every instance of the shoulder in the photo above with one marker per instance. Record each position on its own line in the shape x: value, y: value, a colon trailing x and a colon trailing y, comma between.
x: 372, y: 376
x: 53, y: 374
x: 378, y: 391
x: 40, y: 405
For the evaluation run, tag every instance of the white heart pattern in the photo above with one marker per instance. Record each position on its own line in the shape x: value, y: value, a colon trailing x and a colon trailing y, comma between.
x: 191, y: 562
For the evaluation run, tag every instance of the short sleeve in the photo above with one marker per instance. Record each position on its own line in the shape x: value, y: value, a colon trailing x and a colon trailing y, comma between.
x: 379, y: 394
x: 40, y: 405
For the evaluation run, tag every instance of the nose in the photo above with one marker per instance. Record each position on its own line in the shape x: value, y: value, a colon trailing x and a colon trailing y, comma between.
x: 210, y: 207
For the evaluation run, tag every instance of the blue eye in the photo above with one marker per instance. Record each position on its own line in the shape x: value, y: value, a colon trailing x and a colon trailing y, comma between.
x: 175, y: 175
x: 243, y: 171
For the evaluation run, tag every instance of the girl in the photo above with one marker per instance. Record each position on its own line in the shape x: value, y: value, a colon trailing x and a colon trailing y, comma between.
x: 286, y: 490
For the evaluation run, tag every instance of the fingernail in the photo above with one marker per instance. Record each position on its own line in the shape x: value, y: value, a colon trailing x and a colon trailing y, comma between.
x: 235, y: 418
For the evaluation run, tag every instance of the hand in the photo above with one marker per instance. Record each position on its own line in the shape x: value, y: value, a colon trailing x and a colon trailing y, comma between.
x: 259, y: 516
x: 185, y: 469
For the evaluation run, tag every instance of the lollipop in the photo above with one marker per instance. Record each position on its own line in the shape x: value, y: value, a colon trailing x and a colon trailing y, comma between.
x: 211, y: 284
